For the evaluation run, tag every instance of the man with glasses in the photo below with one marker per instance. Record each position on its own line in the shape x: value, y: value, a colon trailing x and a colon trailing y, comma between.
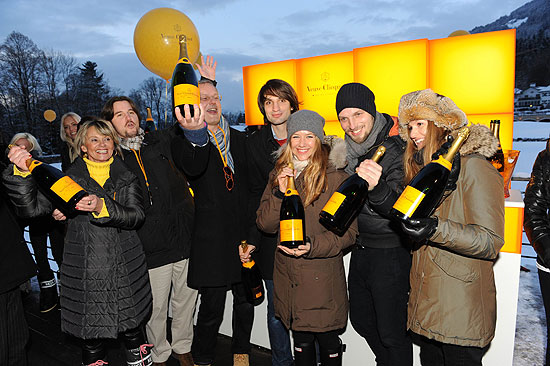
x: 221, y: 222
x: 166, y: 233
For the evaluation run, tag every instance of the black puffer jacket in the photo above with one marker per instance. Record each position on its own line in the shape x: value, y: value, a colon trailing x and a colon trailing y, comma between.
x: 166, y: 232
x: 537, y: 202
x: 104, y: 282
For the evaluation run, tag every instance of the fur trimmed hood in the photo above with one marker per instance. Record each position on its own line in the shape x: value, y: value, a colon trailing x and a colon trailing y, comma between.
x: 337, y: 156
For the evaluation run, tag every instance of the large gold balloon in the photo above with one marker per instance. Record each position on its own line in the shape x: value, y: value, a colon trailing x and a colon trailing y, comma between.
x: 459, y: 32
x: 156, y: 40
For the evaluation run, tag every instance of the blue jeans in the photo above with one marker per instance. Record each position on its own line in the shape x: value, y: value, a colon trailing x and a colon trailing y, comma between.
x: 279, y: 339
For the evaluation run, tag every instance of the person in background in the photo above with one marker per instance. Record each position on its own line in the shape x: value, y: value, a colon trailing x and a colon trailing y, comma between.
x: 537, y: 227
x: 309, y: 282
x: 39, y: 230
x: 166, y: 232
x: 277, y: 100
x: 105, y: 288
x: 68, y: 127
x: 16, y: 267
x: 221, y: 221
x: 452, y: 303
x: 378, y: 280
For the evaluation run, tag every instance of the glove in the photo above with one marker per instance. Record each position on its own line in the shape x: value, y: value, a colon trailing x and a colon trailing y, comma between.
x: 542, y: 247
x: 420, y: 229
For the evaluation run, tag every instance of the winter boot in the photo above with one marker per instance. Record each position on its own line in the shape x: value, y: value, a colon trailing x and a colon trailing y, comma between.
x: 93, y: 353
x: 48, y: 295
x: 304, y: 354
x: 332, y: 357
x: 185, y: 359
x: 97, y: 363
x: 240, y: 359
x: 140, y: 356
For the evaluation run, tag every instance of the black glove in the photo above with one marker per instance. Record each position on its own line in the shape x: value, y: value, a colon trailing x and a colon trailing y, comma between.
x: 420, y: 229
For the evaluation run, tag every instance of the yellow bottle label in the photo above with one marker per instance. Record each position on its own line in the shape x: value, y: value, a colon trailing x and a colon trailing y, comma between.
x: 409, y: 200
x: 66, y: 188
x: 249, y: 264
x: 186, y: 94
x: 291, y: 192
x: 334, y: 203
x: 34, y: 164
x: 258, y: 293
x: 291, y: 230
x: 442, y: 161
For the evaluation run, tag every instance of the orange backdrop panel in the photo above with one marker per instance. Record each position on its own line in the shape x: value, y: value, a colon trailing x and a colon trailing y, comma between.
x: 254, y: 77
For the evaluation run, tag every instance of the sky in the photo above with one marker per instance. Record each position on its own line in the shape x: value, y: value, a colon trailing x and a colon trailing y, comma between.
x: 239, y: 32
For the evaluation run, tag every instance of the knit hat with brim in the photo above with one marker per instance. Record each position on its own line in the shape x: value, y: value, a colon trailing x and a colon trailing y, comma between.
x: 304, y: 120
x: 428, y: 105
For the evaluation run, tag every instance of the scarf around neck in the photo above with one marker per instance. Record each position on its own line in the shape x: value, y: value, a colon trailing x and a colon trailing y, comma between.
x: 355, y: 150
x: 223, y: 142
x: 135, y: 142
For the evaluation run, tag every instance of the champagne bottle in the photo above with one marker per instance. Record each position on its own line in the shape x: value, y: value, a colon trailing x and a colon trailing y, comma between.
x: 252, y: 280
x: 293, y: 220
x: 423, y: 193
x: 149, y: 123
x: 344, y: 205
x: 498, y: 158
x: 58, y: 187
x: 185, y: 88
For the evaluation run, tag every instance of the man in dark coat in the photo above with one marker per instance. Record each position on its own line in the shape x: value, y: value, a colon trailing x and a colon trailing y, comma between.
x: 378, y: 282
x: 277, y: 100
x: 221, y: 190
x: 16, y: 267
x: 166, y: 233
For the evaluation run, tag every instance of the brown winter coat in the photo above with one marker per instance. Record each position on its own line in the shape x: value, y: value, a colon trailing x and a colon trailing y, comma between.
x: 310, y: 291
x: 453, y: 295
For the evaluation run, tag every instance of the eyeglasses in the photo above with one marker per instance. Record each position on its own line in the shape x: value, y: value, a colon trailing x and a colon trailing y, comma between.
x: 228, y: 175
x: 206, y: 99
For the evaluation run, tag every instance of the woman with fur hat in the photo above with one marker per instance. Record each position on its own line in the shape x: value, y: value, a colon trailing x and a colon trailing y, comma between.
x: 309, y: 282
x: 452, y: 304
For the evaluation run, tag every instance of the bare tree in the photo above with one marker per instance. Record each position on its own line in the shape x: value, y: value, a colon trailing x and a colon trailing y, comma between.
x: 152, y: 93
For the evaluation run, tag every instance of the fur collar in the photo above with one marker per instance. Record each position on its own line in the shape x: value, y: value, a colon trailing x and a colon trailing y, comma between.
x: 481, y: 141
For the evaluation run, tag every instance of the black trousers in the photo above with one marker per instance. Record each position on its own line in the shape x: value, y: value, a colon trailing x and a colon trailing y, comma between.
x: 210, y: 317
x: 544, y: 280
x: 14, y: 332
x: 434, y: 353
x: 39, y: 229
x: 378, y: 285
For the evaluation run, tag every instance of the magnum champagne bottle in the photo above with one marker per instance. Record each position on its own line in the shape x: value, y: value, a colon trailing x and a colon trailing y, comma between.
x: 498, y: 159
x: 293, y: 220
x: 423, y: 193
x: 185, y: 88
x: 58, y: 187
x: 344, y: 205
x: 252, y: 280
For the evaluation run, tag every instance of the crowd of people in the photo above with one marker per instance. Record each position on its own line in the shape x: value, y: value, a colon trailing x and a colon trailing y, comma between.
x: 166, y: 211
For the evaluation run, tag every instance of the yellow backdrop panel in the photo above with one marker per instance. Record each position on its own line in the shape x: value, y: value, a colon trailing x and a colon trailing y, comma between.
x: 476, y: 71
x: 392, y: 70
x: 320, y: 78
x: 254, y: 77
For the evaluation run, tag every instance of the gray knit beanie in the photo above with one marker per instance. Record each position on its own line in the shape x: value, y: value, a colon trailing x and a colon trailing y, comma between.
x: 304, y: 120
x: 355, y: 95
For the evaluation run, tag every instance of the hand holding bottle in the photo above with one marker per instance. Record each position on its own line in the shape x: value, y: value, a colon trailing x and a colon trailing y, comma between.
x: 283, y: 178
x: 208, y: 68
x: 296, y: 252
x: 369, y: 171
x: 18, y: 156
x: 91, y: 203
x: 245, y: 255
x: 420, y: 229
x: 58, y: 215
x: 195, y: 122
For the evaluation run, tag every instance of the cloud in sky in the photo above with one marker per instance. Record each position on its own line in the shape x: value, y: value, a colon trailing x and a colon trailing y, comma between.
x: 239, y: 32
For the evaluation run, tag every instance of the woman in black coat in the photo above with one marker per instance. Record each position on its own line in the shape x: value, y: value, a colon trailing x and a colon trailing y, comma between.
x: 104, y: 285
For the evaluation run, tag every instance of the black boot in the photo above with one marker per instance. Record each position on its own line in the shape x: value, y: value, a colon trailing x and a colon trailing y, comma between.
x: 304, y: 354
x: 93, y: 353
x: 140, y: 356
x: 48, y: 295
x: 332, y: 357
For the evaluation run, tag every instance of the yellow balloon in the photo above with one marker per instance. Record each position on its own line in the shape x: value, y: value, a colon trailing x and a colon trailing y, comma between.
x: 49, y: 115
x: 156, y: 40
x: 459, y: 32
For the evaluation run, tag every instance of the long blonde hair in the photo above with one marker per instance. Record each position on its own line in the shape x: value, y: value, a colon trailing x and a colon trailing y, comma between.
x: 315, y: 177
x: 73, y: 150
x: 435, y: 137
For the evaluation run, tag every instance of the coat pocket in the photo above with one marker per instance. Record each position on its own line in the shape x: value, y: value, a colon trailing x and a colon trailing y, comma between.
x: 455, y: 266
x: 315, y: 292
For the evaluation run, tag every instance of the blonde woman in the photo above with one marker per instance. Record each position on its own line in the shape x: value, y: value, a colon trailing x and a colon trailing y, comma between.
x: 68, y: 126
x: 309, y: 282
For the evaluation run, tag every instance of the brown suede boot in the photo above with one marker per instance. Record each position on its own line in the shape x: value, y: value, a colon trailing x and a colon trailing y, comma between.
x: 185, y: 359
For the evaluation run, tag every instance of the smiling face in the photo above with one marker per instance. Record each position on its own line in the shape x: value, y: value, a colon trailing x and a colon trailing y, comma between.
x: 210, y: 102
x: 70, y: 126
x: 277, y: 110
x: 417, y: 132
x: 24, y: 143
x: 98, y: 147
x: 125, y: 119
x: 356, y: 123
x: 302, y: 144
